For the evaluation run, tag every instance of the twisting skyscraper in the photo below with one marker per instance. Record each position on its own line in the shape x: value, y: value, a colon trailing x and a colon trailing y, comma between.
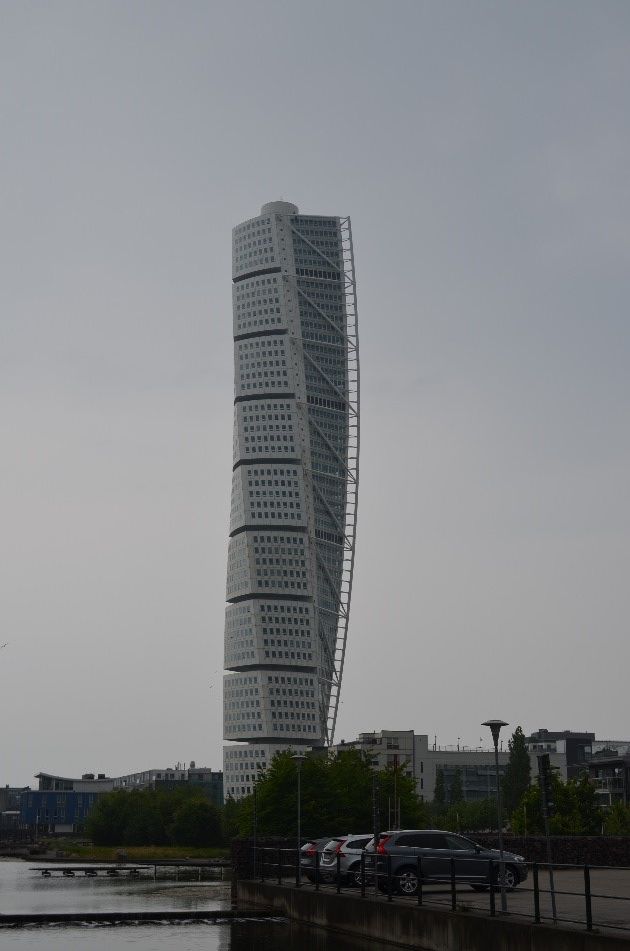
x: 294, y: 485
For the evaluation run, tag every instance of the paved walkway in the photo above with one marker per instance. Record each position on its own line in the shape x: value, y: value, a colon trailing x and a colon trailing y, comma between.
x: 607, y: 912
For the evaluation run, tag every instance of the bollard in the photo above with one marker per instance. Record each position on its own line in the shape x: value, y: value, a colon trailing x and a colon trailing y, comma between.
x: 338, y: 873
x: 419, y: 874
x: 389, y: 878
x: 493, y: 909
x: 362, y: 874
x: 536, y: 893
x: 587, y: 898
x: 453, y: 886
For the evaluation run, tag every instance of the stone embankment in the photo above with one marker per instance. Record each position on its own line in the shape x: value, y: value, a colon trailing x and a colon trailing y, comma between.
x: 405, y: 925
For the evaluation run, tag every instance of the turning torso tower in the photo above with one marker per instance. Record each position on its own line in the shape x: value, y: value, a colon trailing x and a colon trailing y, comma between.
x: 294, y: 485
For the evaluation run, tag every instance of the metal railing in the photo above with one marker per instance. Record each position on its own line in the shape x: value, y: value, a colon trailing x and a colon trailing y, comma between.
x: 375, y: 876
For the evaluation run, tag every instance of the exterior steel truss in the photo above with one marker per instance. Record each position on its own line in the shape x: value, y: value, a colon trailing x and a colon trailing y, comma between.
x: 352, y: 470
x: 330, y: 686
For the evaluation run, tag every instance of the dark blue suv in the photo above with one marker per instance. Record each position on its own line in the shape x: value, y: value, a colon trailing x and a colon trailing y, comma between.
x: 473, y: 864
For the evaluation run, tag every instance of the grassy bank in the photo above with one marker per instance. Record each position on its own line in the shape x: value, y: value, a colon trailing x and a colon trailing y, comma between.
x: 134, y: 853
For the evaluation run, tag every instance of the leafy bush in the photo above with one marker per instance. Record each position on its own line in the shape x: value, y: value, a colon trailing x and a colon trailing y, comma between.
x: 154, y: 817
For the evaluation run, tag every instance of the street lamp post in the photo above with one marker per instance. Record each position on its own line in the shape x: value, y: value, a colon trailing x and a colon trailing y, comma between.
x: 495, y: 729
x: 298, y: 759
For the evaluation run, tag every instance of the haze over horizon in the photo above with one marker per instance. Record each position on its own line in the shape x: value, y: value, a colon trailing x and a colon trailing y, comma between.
x: 483, y: 153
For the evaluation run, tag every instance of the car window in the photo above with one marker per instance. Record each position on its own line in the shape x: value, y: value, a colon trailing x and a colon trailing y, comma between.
x: 459, y: 844
x: 358, y: 843
x: 432, y: 840
x: 409, y: 839
x: 333, y: 845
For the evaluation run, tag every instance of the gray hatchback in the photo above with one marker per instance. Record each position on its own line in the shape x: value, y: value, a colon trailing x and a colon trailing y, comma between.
x: 473, y: 864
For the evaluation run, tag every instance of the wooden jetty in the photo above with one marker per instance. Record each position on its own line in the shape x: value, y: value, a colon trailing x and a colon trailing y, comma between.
x: 129, y: 870
x: 70, y: 871
x: 210, y: 916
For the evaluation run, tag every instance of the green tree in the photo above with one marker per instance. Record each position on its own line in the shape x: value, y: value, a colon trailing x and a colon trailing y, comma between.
x: 439, y: 794
x: 231, y: 819
x: 395, y: 784
x: 196, y: 822
x: 138, y: 817
x: 336, y: 794
x: 107, y: 820
x: 517, y: 778
x: 457, y: 788
x: 617, y: 821
x: 477, y: 816
x: 576, y: 811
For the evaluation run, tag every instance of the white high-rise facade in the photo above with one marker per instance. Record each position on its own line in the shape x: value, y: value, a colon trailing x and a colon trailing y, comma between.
x: 294, y: 485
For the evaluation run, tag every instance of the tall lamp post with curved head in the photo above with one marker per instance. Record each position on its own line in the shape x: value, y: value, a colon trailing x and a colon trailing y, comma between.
x: 298, y: 759
x: 495, y: 729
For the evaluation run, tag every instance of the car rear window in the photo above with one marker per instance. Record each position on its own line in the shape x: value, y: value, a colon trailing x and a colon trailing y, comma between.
x: 332, y: 845
x: 358, y: 843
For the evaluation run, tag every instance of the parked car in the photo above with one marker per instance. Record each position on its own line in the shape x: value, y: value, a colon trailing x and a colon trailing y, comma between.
x: 307, y: 858
x: 349, y: 849
x: 436, y: 847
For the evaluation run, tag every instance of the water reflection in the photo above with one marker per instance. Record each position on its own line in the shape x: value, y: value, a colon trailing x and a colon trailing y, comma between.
x: 235, y: 936
x: 22, y: 890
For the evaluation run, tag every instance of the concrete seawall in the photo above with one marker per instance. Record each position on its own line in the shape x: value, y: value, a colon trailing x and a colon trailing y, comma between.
x: 408, y: 926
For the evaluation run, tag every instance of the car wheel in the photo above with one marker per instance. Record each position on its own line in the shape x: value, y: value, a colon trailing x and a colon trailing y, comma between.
x: 510, y: 878
x: 407, y: 881
x: 354, y: 875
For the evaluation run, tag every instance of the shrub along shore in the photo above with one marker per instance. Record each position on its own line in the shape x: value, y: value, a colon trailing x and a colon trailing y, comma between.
x: 140, y: 854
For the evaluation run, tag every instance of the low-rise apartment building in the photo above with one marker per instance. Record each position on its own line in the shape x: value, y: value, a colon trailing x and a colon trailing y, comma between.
x: 569, y: 751
x: 423, y: 760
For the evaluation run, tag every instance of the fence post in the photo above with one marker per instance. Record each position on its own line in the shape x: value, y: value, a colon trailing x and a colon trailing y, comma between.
x: 389, y: 877
x: 279, y: 866
x: 493, y: 909
x: 587, y: 898
x: 419, y: 874
x: 317, y: 870
x: 262, y: 865
x: 338, y: 873
x: 362, y: 874
x: 298, y: 877
x: 453, y: 886
x: 536, y: 893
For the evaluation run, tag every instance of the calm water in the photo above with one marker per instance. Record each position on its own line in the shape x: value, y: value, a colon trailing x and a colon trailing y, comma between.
x: 24, y: 891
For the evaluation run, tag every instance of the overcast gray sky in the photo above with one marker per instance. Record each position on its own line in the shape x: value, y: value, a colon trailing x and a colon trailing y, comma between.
x: 483, y: 152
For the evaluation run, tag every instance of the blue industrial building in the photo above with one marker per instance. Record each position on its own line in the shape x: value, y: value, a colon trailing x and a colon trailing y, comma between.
x: 61, y: 804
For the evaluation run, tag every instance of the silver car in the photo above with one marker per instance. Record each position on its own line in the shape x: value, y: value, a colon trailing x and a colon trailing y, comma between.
x: 308, y: 860
x: 349, y: 849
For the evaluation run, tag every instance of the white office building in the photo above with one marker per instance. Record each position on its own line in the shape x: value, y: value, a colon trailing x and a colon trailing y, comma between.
x: 294, y: 485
